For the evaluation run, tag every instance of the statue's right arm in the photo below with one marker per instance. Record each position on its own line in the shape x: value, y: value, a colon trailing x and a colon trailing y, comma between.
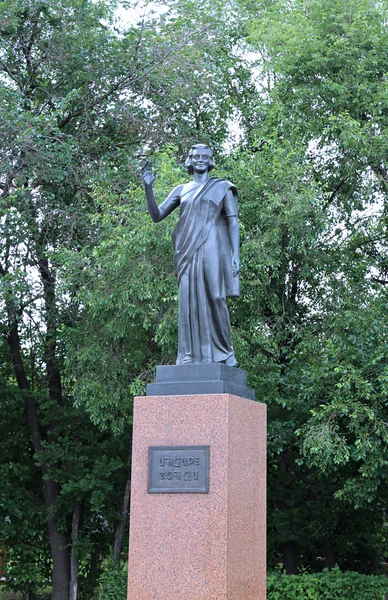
x: 158, y: 213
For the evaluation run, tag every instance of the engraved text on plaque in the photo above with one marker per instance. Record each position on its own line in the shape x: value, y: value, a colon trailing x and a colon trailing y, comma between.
x: 178, y: 469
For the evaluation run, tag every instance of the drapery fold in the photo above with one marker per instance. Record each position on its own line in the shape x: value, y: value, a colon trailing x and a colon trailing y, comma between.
x: 203, y: 262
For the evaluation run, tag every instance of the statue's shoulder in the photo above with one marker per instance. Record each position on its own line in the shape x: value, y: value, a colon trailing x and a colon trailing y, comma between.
x: 223, y: 185
x: 230, y: 186
x: 185, y: 188
x: 220, y: 181
x: 174, y: 198
x: 177, y: 191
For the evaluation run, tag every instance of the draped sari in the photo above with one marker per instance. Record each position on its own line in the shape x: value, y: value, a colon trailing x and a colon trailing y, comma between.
x: 203, y: 262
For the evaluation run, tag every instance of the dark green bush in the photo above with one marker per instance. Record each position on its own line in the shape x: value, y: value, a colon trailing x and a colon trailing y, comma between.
x: 328, y: 585
x: 113, y: 582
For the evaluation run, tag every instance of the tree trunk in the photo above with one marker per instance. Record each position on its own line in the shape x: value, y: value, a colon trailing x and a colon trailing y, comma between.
x: 60, y: 556
x: 290, y: 557
x: 58, y: 540
x: 92, y: 573
x: 328, y: 553
x: 74, y: 563
x: 120, y: 527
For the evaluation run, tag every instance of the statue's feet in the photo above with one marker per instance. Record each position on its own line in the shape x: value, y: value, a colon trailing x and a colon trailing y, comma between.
x: 231, y: 361
x: 187, y: 360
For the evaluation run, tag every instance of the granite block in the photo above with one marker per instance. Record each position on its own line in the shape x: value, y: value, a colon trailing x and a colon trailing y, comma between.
x: 200, y: 546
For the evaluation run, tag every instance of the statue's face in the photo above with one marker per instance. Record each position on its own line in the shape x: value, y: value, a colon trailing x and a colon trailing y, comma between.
x: 200, y: 159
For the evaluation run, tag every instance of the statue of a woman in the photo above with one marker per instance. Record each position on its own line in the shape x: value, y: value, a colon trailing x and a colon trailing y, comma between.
x: 206, y: 257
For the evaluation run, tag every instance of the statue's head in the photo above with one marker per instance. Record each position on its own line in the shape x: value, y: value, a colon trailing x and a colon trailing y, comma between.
x: 199, y: 150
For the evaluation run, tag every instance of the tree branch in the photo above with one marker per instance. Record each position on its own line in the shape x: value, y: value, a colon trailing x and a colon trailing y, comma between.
x: 288, y: 461
x: 334, y: 193
x: 126, y: 81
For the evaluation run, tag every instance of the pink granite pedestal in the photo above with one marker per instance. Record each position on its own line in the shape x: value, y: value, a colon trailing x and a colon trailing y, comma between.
x: 200, y: 546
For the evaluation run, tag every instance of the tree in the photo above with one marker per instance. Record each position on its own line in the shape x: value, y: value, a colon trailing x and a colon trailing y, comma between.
x: 297, y: 263
x: 80, y: 100
x: 87, y: 286
x: 316, y: 262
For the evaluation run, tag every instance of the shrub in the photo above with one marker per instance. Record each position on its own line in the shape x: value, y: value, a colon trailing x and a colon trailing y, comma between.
x: 113, y: 582
x: 328, y: 585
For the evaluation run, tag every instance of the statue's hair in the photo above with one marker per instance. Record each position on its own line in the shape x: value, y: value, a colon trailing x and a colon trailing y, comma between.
x: 189, y: 160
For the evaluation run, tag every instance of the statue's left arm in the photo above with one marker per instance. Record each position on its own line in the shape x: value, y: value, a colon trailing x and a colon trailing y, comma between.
x: 230, y: 209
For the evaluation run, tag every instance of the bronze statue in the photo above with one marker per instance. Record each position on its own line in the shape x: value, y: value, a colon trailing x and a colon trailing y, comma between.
x: 206, y: 257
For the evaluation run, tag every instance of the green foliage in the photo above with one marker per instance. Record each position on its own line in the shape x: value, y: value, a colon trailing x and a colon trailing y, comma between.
x: 129, y: 296
x: 86, y: 279
x: 329, y: 585
x: 28, y: 565
x: 312, y: 317
x: 87, y: 292
x: 89, y: 465
x: 22, y: 516
x: 113, y: 582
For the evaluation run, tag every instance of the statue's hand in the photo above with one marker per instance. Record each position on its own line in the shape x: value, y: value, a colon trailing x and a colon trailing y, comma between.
x: 148, y: 174
x: 235, y: 265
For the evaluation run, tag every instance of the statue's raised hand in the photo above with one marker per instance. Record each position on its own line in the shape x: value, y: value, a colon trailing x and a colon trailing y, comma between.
x: 148, y: 173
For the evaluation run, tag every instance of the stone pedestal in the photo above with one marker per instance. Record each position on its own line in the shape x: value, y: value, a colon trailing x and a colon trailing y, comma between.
x: 200, y: 546
x: 210, y: 378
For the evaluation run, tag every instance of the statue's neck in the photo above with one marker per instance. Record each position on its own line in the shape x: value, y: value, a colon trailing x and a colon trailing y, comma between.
x: 201, y: 177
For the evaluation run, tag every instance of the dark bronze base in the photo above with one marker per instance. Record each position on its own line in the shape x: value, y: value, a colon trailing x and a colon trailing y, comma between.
x: 208, y: 378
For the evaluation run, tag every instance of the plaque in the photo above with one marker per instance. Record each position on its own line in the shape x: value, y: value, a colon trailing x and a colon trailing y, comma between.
x: 178, y: 469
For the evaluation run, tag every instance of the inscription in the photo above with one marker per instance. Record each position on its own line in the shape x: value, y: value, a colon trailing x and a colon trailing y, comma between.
x: 178, y: 469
